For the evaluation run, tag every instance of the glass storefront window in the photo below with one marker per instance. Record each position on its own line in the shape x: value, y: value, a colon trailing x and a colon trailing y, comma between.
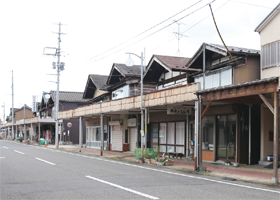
x: 208, y: 132
x: 162, y: 133
x: 171, y: 133
x: 180, y: 133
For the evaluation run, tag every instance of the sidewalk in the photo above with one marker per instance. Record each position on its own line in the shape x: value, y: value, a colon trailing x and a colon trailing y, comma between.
x: 253, y: 173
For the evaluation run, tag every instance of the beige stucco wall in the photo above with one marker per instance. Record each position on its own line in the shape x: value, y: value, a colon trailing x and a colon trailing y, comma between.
x: 248, y: 72
x: 98, y: 93
x: 270, y: 72
x: 266, y: 126
x: 95, y: 122
x: 271, y: 32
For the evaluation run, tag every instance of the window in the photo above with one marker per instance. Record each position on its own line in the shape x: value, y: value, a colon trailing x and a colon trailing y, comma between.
x: 121, y: 92
x: 208, y: 132
x: 270, y: 55
x: 126, y: 136
x: 217, y: 78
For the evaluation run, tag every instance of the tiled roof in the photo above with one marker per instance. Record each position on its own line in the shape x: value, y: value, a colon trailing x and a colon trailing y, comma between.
x: 68, y: 96
x: 173, y: 62
x: 99, y: 81
x: 236, y: 49
x: 134, y: 70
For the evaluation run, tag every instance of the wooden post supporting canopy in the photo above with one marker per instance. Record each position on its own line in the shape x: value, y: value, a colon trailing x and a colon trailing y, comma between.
x: 275, y: 139
x: 102, y: 134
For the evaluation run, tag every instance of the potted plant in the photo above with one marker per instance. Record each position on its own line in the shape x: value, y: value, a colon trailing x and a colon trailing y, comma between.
x: 20, y: 139
x: 148, y: 156
x: 160, y: 161
x: 168, y: 162
x: 227, y: 162
x: 27, y: 142
x: 156, y: 154
x: 141, y: 155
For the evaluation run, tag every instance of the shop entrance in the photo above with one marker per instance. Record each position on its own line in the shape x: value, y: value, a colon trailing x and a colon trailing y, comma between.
x: 226, y: 137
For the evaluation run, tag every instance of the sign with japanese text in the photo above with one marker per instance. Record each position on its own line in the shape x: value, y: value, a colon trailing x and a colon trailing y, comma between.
x: 34, y: 107
x: 174, y: 110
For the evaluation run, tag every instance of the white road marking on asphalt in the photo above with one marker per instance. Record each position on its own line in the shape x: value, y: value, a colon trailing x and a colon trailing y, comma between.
x: 178, y: 174
x: 5, y: 147
x: 45, y: 161
x: 2, y: 157
x: 123, y: 188
x: 18, y: 152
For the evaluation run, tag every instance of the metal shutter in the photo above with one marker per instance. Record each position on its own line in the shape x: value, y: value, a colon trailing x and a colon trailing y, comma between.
x: 132, y: 138
x: 116, y: 138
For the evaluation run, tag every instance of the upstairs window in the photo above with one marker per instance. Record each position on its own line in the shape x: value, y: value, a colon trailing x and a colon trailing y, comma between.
x: 270, y: 55
x: 216, y: 78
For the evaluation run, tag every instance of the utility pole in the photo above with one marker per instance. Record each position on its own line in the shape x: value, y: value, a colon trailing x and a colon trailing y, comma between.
x: 3, y: 112
x: 60, y: 67
x: 12, y: 104
x: 24, y: 125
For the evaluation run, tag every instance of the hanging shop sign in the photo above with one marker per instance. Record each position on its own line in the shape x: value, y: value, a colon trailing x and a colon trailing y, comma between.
x: 174, y: 110
x: 34, y: 107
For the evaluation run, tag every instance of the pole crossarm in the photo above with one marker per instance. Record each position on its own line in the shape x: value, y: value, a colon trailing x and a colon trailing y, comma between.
x: 134, y: 55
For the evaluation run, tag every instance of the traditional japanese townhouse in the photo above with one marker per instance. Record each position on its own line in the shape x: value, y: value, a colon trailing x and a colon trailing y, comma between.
x: 228, y: 109
x: 270, y: 62
x: 19, y: 113
x: 124, y: 106
x: 96, y: 92
x: 169, y: 125
x: 44, y: 124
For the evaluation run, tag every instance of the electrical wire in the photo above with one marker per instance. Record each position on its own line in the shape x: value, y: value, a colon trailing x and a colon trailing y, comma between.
x: 252, y: 4
x: 156, y: 31
x: 220, y: 34
x: 193, y: 25
x: 146, y: 30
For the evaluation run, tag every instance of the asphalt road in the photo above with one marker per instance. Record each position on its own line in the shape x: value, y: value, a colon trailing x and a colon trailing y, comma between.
x: 31, y: 172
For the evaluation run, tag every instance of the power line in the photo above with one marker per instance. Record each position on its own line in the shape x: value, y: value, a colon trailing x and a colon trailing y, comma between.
x: 252, y: 4
x: 193, y: 25
x: 145, y: 30
x: 156, y: 31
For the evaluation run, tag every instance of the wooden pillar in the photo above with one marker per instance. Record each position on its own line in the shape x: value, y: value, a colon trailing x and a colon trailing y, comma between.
x: 80, y: 133
x: 250, y: 133
x: 200, y: 136
x: 275, y: 139
x: 102, y: 134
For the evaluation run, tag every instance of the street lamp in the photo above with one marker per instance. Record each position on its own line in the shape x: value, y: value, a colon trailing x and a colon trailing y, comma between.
x: 129, y: 62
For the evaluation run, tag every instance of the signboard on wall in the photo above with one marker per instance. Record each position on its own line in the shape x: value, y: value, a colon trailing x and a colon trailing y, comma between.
x: 34, y: 107
x: 161, y: 133
x: 131, y: 122
x: 174, y: 110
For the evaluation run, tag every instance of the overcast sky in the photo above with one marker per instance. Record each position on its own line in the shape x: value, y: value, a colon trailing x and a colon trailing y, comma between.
x: 100, y: 32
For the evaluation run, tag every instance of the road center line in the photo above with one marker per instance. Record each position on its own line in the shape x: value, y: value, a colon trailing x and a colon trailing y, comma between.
x: 45, y: 161
x: 5, y: 147
x: 18, y: 152
x: 123, y: 188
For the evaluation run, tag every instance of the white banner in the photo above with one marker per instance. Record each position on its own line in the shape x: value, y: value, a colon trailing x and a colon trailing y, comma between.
x: 34, y: 107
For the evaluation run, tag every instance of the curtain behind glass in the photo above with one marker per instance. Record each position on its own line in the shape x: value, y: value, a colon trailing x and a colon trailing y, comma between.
x: 162, y: 133
x: 171, y: 133
x: 180, y: 133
